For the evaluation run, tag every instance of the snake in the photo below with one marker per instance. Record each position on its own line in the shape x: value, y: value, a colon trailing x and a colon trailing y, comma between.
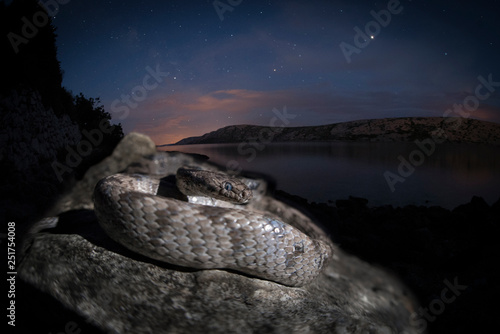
x: 212, y: 220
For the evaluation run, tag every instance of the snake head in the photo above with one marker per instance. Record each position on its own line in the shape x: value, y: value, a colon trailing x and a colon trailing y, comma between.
x: 234, y: 190
x: 195, y: 182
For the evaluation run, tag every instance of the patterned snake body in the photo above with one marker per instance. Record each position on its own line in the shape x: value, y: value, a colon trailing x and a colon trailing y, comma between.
x: 257, y: 243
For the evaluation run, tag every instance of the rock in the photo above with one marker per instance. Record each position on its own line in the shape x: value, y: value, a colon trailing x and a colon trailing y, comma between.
x: 120, y: 292
x: 428, y: 246
x: 130, y: 149
x: 71, y: 261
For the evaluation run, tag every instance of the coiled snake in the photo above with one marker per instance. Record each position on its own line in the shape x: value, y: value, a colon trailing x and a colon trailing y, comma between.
x: 215, y: 229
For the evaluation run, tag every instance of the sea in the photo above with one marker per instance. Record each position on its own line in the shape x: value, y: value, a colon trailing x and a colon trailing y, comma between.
x: 384, y: 173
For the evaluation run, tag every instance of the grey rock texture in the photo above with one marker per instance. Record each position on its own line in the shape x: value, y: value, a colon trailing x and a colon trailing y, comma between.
x: 377, y: 130
x: 72, y: 260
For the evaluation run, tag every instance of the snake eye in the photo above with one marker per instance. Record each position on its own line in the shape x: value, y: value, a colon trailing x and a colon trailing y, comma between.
x: 228, y: 186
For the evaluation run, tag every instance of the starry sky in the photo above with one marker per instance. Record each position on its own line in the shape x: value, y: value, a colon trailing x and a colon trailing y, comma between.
x: 174, y: 69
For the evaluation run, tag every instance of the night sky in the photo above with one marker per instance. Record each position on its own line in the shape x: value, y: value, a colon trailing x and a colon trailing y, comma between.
x: 173, y: 69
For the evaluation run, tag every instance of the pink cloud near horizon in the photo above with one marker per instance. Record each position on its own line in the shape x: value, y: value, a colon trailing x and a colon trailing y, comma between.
x: 170, y: 118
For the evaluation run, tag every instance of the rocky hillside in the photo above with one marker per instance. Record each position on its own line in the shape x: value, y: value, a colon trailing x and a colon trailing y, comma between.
x: 388, y: 129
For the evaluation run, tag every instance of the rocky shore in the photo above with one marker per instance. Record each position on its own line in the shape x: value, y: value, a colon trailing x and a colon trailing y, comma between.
x: 70, y: 272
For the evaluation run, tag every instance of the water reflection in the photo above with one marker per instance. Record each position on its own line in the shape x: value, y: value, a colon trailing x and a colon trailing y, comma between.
x: 450, y: 176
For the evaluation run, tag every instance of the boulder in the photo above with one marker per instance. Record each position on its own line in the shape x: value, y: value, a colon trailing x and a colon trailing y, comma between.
x: 70, y: 261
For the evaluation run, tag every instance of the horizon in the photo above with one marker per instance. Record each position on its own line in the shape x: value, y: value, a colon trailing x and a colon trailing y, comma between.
x: 175, y: 70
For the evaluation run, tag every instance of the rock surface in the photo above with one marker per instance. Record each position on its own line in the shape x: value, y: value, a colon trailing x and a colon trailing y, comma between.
x: 456, y: 130
x: 129, y: 150
x: 74, y: 264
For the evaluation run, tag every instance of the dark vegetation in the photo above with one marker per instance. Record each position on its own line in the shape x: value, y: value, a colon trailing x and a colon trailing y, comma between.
x: 35, y: 66
x: 30, y: 64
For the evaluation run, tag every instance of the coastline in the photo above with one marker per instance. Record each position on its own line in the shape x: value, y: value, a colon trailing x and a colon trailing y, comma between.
x: 426, y: 247
x: 401, y: 129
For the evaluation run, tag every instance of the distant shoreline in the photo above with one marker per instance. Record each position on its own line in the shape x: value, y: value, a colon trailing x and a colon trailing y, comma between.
x: 406, y: 129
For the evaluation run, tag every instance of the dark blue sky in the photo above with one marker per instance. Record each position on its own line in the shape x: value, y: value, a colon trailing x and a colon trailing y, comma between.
x: 270, y: 54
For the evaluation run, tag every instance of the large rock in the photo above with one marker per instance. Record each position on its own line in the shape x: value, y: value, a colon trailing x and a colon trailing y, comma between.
x: 130, y: 149
x: 71, y: 260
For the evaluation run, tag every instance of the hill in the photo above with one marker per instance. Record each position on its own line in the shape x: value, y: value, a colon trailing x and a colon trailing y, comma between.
x: 406, y: 129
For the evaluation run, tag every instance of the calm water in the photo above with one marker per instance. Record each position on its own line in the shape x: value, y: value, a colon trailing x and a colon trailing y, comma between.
x: 449, y: 176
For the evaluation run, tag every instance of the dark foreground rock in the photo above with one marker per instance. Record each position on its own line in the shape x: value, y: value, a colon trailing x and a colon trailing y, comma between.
x: 448, y: 258
x: 72, y: 274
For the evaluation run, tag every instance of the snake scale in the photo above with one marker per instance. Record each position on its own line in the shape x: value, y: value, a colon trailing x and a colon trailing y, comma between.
x: 216, y: 221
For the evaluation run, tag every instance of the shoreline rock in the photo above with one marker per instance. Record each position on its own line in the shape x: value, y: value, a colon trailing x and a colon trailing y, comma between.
x: 425, y: 247
x: 71, y: 266
x: 71, y: 260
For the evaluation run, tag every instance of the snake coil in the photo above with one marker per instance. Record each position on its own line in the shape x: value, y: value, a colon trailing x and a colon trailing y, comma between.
x: 200, y: 236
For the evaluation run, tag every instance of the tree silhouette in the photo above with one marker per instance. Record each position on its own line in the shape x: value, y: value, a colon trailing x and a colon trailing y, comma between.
x: 30, y: 61
x: 28, y: 46
x: 90, y: 114
x: 30, y: 51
